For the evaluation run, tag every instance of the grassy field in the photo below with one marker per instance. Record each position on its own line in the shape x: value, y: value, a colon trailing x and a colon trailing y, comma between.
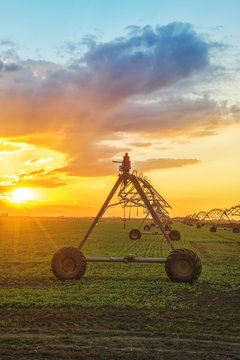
x: 115, y: 311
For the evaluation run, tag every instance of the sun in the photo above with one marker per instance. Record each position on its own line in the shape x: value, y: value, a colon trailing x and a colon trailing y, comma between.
x: 21, y: 195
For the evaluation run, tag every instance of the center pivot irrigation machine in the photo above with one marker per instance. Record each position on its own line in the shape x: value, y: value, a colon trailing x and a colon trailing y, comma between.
x: 216, y: 217
x: 181, y: 265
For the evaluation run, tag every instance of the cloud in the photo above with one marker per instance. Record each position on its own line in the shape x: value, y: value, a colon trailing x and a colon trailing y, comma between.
x: 9, y: 147
x: 34, y: 179
x: 173, y: 116
x: 127, y: 85
x: 5, y: 42
x: 37, y: 172
x: 146, y: 60
x: 12, y: 67
x: 35, y: 183
x: 157, y: 164
x: 103, y: 168
x: 141, y: 144
x: 41, y: 183
x: 36, y: 161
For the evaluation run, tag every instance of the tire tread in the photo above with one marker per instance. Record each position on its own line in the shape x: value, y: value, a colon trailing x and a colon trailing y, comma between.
x: 186, y: 252
x: 70, y: 250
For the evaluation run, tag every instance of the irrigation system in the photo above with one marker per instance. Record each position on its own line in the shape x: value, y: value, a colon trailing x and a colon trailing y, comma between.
x: 216, y: 217
x: 181, y: 265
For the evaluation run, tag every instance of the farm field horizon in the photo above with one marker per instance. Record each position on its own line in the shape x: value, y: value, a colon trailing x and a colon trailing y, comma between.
x: 132, y: 307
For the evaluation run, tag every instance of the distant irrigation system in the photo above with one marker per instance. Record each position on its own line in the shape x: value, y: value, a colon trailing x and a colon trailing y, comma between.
x: 215, y: 218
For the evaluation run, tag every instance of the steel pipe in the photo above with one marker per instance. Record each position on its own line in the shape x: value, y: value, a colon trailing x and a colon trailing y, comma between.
x: 151, y: 233
x: 126, y: 259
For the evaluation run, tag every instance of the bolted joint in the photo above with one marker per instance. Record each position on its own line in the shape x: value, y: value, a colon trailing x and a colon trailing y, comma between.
x: 129, y: 258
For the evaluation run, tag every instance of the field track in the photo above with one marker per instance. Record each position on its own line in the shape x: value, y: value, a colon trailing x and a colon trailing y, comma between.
x: 113, y: 344
x: 115, y: 311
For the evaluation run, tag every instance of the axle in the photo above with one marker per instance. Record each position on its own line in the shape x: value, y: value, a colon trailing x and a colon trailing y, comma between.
x: 126, y: 259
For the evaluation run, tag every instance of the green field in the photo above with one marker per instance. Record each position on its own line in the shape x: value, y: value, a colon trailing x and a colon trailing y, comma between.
x: 116, y: 311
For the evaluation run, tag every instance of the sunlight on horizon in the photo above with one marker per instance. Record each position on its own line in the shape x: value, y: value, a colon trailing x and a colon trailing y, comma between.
x: 22, y: 195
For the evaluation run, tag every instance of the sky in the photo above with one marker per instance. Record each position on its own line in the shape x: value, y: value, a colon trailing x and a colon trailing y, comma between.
x: 83, y: 82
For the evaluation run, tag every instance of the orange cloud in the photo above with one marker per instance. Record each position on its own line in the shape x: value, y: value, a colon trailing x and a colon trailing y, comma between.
x: 36, y: 161
x: 127, y: 85
x: 157, y: 164
x: 9, y: 147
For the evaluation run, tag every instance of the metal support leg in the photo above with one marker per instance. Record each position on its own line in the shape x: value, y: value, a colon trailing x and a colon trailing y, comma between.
x: 102, y: 210
x: 218, y: 222
x: 228, y: 218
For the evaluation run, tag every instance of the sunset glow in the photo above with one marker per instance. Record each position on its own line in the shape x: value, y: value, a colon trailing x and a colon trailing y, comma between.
x: 21, y: 195
x: 160, y: 81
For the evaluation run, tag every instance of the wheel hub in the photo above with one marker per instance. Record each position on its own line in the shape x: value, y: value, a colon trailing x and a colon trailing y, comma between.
x: 135, y: 235
x: 68, y: 265
x: 183, y: 267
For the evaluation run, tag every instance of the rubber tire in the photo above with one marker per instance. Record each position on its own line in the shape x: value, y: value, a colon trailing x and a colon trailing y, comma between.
x: 181, y: 260
x: 235, y: 230
x: 198, y: 226
x: 146, y: 228
x: 174, y: 235
x: 68, y: 263
x: 135, y: 234
x: 213, y: 229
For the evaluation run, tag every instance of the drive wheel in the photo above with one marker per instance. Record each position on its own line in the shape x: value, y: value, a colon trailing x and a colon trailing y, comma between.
x: 174, y: 235
x: 134, y: 234
x: 146, y: 228
x: 68, y: 263
x: 213, y: 228
x: 183, y: 265
x: 235, y: 230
